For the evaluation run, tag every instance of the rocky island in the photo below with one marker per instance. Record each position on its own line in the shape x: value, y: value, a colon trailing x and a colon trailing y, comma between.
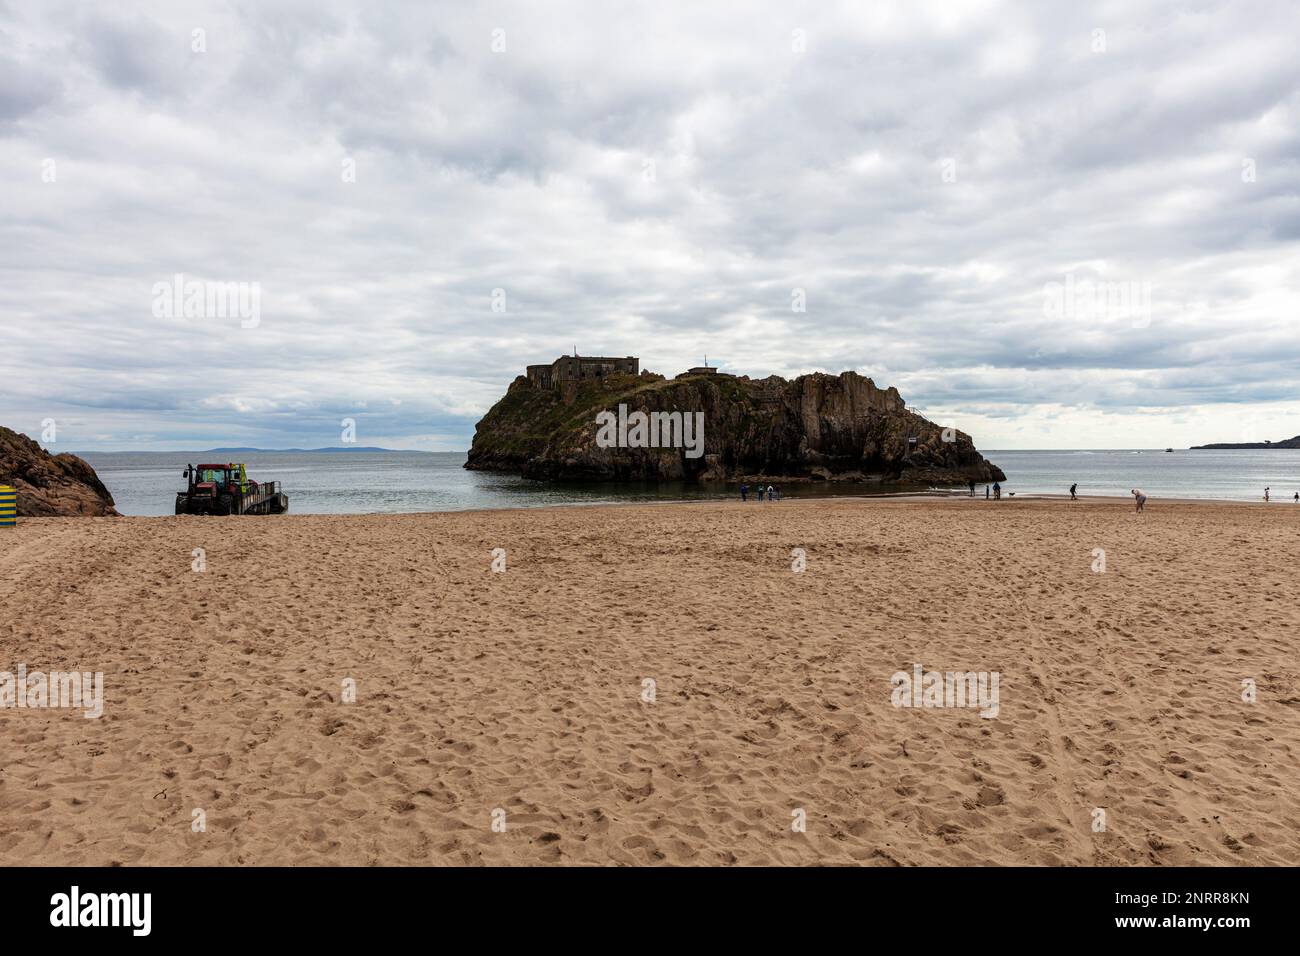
x: 816, y: 427
x: 50, y: 485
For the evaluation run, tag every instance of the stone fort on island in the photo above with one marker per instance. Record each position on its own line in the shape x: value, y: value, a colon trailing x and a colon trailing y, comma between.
x: 578, y: 368
x: 581, y: 368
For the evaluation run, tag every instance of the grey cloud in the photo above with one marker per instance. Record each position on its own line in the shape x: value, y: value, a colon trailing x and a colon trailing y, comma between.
x: 525, y: 170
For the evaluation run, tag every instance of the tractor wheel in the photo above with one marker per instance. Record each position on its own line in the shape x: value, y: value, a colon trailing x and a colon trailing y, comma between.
x: 225, y: 505
x: 180, y: 504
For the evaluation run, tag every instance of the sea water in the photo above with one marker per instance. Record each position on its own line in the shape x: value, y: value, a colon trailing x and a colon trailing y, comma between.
x: 145, y: 483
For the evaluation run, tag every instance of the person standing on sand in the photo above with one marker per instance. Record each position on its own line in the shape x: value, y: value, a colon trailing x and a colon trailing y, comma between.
x: 1297, y: 497
x: 1140, y: 497
x: 972, y: 487
x: 986, y: 492
x: 770, y: 491
x: 997, y: 491
x: 1073, y: 488
x: 744, y: 492
x: 1266, y: 494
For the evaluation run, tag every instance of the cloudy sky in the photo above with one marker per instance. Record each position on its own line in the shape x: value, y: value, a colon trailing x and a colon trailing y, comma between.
x: 427, y: 197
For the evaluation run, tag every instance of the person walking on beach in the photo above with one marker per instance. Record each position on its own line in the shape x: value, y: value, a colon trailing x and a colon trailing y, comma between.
x: 1266, y: 494
x: 1140, y: 497
x: 744, y: 492
x: 972, y: 487
x: 1073, y: 488
x: 986, y: 492
x: 1297, y: 497
x: 997, y: 491
x: 770, y: 492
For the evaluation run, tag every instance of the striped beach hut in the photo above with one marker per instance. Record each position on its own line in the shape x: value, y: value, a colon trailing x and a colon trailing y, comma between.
x: 8, y: 506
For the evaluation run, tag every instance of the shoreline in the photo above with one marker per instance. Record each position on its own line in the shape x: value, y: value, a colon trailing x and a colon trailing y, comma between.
x: 899, y: 498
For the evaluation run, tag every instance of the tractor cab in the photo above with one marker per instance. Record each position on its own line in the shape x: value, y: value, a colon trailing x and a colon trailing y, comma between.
x: 213, y: 481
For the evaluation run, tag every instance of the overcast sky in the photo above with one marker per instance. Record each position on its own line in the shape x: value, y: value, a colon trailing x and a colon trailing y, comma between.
x: 665, y: 180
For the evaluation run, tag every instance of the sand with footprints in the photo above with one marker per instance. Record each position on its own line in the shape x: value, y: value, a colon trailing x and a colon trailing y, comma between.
x: 657, y: 684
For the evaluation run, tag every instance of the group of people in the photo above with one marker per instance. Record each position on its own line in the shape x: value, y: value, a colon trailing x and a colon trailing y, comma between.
x: 773, y: 494
x: 995, y: 489
x: 1139, y: 496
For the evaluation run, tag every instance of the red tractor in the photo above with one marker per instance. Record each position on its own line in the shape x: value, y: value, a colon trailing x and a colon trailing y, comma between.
x: 226, y: 490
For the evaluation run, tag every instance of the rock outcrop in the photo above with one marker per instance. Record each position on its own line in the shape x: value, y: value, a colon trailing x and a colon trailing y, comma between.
x: 50, y: 484
x: 816, y: 427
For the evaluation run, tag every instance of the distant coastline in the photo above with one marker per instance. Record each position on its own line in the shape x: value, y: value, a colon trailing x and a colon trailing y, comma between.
x: 308, y: 451
x: 374, y: 449
x: 1249, y: 445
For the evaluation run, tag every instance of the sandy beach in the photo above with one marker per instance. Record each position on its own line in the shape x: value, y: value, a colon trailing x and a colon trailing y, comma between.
x: 521, y: 697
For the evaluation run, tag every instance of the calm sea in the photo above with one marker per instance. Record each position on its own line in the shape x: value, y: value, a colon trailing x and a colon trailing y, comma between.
x: 145, y: 483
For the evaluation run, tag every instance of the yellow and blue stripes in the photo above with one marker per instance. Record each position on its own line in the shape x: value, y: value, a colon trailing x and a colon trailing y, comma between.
x: 8, y: 506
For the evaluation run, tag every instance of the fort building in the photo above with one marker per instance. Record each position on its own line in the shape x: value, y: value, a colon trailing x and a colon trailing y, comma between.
x: 578, y: 368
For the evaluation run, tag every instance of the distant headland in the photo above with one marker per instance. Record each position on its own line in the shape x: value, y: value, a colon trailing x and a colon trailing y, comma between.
x: 1220, y: 446
x: 299, y: 451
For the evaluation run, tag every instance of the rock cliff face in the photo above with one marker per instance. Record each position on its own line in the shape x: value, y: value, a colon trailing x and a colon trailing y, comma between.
x: 816, y: 427
x: 50, y: 484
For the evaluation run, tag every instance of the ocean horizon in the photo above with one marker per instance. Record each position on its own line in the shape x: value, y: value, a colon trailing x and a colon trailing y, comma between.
x: 347, y: 481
